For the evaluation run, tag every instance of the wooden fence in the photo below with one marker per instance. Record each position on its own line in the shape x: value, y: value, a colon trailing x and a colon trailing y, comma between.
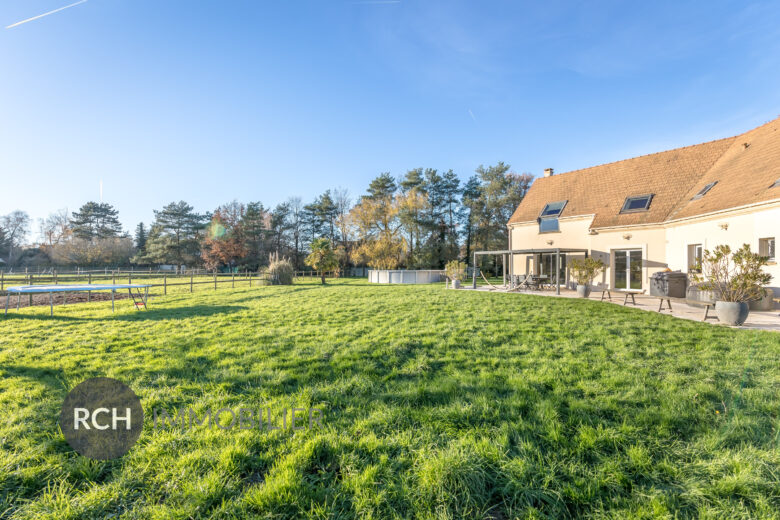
x: 165, y: 280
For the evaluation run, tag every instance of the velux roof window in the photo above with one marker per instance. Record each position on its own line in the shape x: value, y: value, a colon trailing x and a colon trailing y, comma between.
x: 638, y: 203
x: 548, y: 218
x: 704, y: 190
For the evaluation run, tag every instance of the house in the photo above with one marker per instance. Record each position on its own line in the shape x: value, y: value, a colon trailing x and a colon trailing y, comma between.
x: 645, y: 214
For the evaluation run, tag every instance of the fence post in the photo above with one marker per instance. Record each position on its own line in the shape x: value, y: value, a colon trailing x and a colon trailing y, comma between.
x: 215, y: 279
x: 165, y: 284
x: 130, y: 279
x: 233, y: 280
x: 113, y: 277
x: 250, y: 280
x: 31, y: 282
x: 191, y: 281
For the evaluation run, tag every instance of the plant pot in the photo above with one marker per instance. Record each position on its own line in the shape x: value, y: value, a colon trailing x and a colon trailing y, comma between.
x: 456, y: 284
x: 583, y: 291
x: 732, y: 313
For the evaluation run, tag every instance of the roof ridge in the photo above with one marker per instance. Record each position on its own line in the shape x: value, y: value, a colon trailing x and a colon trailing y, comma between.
x: 647, y: 155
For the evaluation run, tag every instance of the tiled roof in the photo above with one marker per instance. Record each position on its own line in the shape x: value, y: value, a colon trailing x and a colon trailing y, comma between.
x: 673, y: 177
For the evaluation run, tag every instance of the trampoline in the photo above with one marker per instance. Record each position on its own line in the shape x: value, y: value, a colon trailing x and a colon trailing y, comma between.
x: 139, y: 299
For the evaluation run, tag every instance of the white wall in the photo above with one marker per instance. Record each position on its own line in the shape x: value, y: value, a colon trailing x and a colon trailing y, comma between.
x: 745, y: 227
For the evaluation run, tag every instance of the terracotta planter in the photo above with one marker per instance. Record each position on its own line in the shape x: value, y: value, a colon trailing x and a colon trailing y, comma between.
x: 732, y: 313
x: 583, y: 291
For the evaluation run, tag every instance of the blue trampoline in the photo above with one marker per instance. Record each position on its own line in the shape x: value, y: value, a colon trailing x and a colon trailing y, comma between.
x: 139, y: 299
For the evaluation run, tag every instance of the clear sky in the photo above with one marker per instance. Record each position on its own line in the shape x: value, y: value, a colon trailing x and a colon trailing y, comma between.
x: 210, y: 101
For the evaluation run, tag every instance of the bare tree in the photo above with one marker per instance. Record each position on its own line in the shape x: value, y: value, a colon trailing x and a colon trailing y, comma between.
x: 55, y: 228
x: 296, y: 227
x: 16, y: 227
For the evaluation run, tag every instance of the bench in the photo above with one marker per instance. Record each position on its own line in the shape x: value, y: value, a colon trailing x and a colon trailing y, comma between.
x: 631, y: 293
x: 668, y: 299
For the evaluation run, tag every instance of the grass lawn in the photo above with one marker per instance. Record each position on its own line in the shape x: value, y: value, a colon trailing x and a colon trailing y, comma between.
x: 438, y: 404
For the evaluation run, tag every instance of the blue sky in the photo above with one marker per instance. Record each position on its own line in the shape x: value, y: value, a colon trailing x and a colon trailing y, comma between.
x: 210, y: 101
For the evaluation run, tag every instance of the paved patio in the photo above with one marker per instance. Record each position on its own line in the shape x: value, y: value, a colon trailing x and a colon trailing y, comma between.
x: 758, y: 320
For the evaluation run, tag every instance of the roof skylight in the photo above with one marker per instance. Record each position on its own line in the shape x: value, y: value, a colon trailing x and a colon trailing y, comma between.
x: 704, y: 190
x: 638, y: 203
x: 553, y: 209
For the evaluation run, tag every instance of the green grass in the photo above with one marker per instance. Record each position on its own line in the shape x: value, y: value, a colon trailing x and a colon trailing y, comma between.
x: 438, y: 404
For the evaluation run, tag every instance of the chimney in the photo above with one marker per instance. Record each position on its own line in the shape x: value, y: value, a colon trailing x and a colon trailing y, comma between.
x: 548, y: 172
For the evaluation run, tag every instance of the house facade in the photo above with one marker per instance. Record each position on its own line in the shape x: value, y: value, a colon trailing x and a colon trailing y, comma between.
x: 656, y: 211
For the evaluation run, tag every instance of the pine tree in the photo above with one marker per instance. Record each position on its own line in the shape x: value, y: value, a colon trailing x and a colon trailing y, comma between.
x: 96, y: 220
x: 140, y: 238
x: 175, y: 234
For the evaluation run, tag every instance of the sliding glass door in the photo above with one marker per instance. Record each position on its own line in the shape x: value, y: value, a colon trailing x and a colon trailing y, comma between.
x: 547, y: 267
x: 628, y: 269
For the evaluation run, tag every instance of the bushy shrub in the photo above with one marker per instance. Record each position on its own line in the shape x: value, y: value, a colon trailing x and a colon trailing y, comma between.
x: 455, y: 270
x: 280, y: 271
x: 584, y: 270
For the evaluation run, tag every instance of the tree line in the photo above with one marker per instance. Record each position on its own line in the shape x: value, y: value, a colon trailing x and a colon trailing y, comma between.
x: 420, y: 220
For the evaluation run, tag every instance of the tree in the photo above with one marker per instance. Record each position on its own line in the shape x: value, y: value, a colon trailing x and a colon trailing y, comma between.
x: 225, y: 241
x: 500, y: 192
x: 471, y: 201
x: 5, y: 244
x: 175, y: 234
x: 322, y: 257
x: 16, y: 227
x: 254, y: 225
x: 381, y: 244
x: 55, y: 228
x: 140, y: 238
x: 280, y: 228
x: 96, y: 220
x: 320, y: 217
x: 295, y: 223
x: 382, y: 187
x: 343, y: 223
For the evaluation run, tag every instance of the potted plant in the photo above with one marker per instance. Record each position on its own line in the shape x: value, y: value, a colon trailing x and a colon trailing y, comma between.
x: 455, y: 270
x: 584, y: 270
x: 735, y: 279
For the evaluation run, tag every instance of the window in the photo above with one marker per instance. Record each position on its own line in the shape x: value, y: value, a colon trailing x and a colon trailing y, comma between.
x: 548, y: 225
x: 548, y: 219
x: 766, y: 247
x: 694, y: 258
x: 553, y: 209
x: 704, y: 190
x: 640, y: 203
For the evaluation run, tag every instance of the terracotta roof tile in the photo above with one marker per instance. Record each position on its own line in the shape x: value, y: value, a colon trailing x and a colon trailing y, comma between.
x: 673, y: 177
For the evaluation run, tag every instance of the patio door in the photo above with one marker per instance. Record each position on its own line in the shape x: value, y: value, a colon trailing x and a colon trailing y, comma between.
x: 628, y: 269
x: 547, y: 267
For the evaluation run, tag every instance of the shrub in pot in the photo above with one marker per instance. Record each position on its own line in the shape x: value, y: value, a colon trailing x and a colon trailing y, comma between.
x: 735, y: 278
x: 584, y: 270
x: 455, y: 270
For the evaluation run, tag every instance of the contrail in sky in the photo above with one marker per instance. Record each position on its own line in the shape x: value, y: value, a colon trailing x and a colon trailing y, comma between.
x: 44, y: 14
x: 472, y: 115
